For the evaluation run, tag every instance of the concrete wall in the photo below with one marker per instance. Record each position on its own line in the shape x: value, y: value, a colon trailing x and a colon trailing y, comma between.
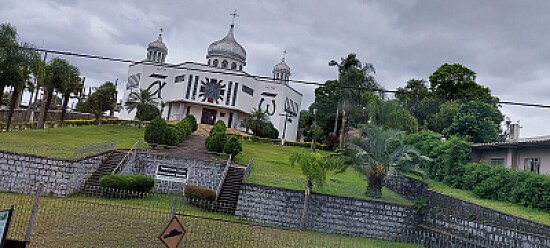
x: 331, y: 214
x: 21, y: 173
x: 202, y: 173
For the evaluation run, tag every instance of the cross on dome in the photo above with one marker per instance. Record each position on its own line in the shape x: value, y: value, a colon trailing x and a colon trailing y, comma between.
x: 284, y: 55
x: 235, y: 15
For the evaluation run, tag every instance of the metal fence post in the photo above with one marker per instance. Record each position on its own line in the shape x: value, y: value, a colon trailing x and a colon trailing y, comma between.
x: 39, y: 190
x: 173, y: 210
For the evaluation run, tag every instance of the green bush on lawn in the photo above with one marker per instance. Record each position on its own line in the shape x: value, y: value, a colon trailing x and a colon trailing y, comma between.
x: 131, y: 182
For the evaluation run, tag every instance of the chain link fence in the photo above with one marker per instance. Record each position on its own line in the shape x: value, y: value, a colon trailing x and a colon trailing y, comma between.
x: 99, y: 217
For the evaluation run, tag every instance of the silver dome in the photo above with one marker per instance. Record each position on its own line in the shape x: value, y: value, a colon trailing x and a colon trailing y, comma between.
x: 281, y: 67
x: 227, y: 47
x: 158, y: 44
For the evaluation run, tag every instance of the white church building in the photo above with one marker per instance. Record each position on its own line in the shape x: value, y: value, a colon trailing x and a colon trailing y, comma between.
x: 217, y: 90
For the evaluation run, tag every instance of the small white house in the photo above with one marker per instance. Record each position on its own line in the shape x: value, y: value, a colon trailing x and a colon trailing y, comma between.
x: 530, y: 154
x: 217, y: 90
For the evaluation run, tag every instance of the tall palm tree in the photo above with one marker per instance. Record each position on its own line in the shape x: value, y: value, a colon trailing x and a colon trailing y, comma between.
x: 144, y: 103
x: 15, y: 66
x: 8, y: 45
x: 379, y: 151
x: 57, y: 74
x: 73, y: 85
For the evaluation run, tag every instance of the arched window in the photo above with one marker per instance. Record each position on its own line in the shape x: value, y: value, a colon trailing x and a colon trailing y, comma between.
x: 149, y: 55
x: 233, y: 66
x: 240, y: 67
x: 224, y: 64
x: 215, y: 64
x: 209, y: 62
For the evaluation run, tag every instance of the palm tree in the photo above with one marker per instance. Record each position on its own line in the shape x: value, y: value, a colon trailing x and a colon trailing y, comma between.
x: 257, y: 122
x: 15, y: 66
x: 57, y: 74
x: 380, y: 151
x: 144, y: 103
x: 72, y: 86
x: 8, y: 45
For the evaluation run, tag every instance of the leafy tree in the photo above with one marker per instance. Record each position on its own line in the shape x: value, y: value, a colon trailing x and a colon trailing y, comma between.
x: 144, y: 103
x: 444, y: 118
x: 316, y: 134
x: 379, y: 151
x: 477, y: 120
x: 449, y: 161
x: 418, y: 99
x: 315, y: 166
x: 103, y: 99
x: 457, y: 82
x: 256, y: 122
x: 389, y: 114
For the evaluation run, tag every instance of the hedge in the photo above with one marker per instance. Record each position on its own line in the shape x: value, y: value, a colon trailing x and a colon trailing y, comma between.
x: 132, y: 182
x: 199, y: 196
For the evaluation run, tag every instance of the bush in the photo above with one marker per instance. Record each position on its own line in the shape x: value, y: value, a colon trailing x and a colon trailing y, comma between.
x: 156, y: 131
x: 192, y: 121
x: 219, y: 127
x: 215, y: 142
x: 449, y: 162
x: 147, y: 112
x: 133, y: 182
x: 233, y: 146
x: 183, y: 129
x: 199, y: 196
x: 172, y: 137
x: 475, y: 174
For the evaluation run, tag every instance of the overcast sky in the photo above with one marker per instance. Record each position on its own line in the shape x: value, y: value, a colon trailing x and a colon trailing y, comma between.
x: 507, y: 43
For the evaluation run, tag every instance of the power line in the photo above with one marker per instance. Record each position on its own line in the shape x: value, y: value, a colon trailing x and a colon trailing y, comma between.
x: 260, y: 78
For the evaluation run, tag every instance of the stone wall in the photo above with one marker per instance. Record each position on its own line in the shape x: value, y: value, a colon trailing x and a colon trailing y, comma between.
x: 22, y: 173
x: 469, y: 222
x: 331, y: 214
x: 208, y: 174
x: 407, y: 187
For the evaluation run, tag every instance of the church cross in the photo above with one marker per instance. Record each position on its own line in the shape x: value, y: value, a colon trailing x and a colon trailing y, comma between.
x: 161, y: 29
x: 234, y: 14
x: 284, y: 54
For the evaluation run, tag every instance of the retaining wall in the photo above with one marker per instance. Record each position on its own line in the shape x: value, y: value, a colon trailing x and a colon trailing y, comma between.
x: 331, y: 214
x: 21, y: 173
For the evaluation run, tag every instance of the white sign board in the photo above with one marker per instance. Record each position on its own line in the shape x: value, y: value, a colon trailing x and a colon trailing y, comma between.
x: 171, y: 173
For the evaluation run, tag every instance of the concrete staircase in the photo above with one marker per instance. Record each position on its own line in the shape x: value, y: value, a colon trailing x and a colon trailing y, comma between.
x: 105, y: 168
x: 229, y: 194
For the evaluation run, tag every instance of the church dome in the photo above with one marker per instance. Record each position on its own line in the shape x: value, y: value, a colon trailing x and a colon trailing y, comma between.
x: 227, y: 47
x: 158, y: 44
x: 281, y: 67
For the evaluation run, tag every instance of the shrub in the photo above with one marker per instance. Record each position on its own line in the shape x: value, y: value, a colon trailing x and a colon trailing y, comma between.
x: 172, y: 137
x: 449, y: 162
x: 156, y: 131
x: 215, y: 142
x: 233, y: 146
x: 192, y: 121
x: 133, y: 182
x: 199, y: 196
x: 183, y: 129
x: 475, y: 174
x: 219, y: 127
x: 147, y: 112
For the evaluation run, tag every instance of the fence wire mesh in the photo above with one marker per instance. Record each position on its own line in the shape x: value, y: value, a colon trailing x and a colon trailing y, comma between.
x: 99, y: 217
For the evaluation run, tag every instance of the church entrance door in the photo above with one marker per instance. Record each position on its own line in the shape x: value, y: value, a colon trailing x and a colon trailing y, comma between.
x: 208, y: 116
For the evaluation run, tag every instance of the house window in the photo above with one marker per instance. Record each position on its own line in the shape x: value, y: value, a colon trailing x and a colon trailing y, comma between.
x: 179, y: 79
x: 497, y: 162
x: 532, y: 165
x: 222, y: 114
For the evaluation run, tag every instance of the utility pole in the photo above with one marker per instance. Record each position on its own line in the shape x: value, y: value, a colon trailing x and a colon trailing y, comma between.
x: 44, y: 100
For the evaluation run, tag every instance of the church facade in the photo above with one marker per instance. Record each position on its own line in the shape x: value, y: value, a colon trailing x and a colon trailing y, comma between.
x: 220, y: 89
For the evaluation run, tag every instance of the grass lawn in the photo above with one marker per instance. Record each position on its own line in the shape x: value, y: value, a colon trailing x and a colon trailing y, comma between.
x: 63, y: 142
x: 271, y: 167
x: 533, y: 214
x: 89, y: 222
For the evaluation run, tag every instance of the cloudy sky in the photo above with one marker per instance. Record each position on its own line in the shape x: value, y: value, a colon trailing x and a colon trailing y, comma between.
x: 507, y: 43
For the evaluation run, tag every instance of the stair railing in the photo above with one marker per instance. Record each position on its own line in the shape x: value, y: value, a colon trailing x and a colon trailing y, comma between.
x: 132, y: 153
x: 228, y: 164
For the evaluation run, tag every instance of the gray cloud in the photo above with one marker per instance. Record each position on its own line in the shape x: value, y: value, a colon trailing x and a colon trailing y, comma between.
x: 505, y: 42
